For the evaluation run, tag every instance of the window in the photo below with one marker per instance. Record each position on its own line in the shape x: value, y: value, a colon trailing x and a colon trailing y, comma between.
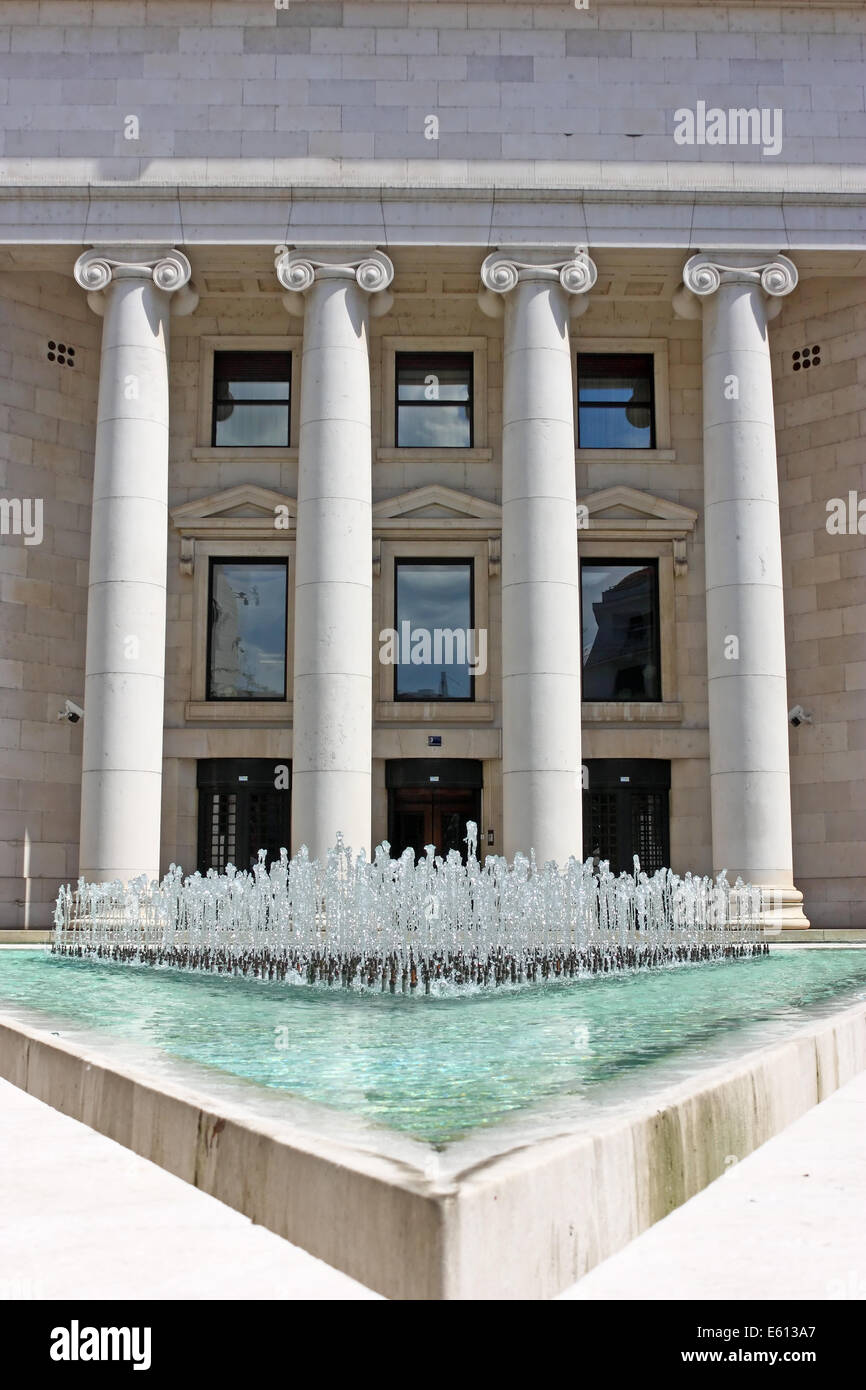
x: 435, y: 639
x: 251, y: 399
x: 434, y: 400
x: 615, y: 395
x: 620, y: 630
x: 247, y: 630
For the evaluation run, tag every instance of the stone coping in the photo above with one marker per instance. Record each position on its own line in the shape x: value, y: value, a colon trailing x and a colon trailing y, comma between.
x: 301, y: 177
x: 523, y: 1222
x: 785, y: 1223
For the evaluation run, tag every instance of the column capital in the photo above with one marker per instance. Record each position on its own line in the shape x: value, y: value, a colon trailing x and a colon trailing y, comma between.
x: 100, y: 267
x: 502, y: 271
x: 300, y: 268
x: 703, y: 274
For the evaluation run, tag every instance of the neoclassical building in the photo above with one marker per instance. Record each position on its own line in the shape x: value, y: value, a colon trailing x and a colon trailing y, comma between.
x: 402, y: 427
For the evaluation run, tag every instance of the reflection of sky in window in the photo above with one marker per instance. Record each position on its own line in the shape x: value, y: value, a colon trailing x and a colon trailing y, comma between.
x: 247, y: 425
x: 440, y: 422
x: 614, y: 390
x: 253, y: 426
x: 414, y: 384
x: 431, y: 597
x: 437, y: 427
x: 254, y: 390
x: 248, y: 641
x: 614, y: 408
x: 611, y: 429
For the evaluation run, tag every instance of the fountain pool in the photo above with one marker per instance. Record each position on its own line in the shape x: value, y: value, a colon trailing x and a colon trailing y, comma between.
x: 438, y: 1069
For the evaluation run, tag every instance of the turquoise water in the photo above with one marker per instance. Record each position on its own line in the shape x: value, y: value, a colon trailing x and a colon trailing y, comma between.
x: 439, y: 1068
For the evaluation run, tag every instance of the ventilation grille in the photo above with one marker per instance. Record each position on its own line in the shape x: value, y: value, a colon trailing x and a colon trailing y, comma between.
x: 61, y: 353
x: 806, y: 357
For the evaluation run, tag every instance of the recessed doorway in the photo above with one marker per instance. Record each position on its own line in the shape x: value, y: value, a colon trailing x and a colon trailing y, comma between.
x: 625, y: 812
x: 244, y: 805
x: 429, y: 803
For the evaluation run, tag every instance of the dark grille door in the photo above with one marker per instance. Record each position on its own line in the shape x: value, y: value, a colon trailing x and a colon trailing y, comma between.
x: 240, y: 811
x: 625, y: 813
x: 220, y: 811
x: 265, y: 824
x: 649, y: 828
x: 600, y: 825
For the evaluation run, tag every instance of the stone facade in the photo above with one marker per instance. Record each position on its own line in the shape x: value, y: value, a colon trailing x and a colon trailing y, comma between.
x: 555, y: 128
x: 239, y: 80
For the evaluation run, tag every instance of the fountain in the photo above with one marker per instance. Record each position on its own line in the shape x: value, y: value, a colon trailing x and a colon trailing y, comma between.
x: 394, y: 925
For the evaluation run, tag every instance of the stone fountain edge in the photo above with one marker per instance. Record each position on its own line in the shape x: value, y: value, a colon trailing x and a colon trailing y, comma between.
x: 522, y: 1225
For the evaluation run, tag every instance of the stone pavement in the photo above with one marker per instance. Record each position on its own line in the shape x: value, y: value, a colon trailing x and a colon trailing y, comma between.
x: 83, y: 1217
x: 789, y: 1221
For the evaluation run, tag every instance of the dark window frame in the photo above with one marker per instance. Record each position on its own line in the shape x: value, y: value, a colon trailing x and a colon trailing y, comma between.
x: 644, y: 562
x: 432, y: 357
x: 434, y: 560
x: 210, y: 698
x: 618, y: 405
x: 251, y: 353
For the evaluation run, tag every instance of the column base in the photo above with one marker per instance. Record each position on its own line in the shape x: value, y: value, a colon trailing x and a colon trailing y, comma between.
x: 783, y: 910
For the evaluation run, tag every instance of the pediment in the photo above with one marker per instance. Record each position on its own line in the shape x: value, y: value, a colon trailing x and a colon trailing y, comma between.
x: 435, y: 504
x: 626, y: 514
x: 244, y: 510
x: 628, y: 508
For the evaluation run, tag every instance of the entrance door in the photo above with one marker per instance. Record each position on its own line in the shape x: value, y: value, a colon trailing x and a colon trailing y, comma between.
x: 425, y: 816
x: 625, y: 812
x: 242, y: 807
x: 429, y: 803
x: 411, y: 820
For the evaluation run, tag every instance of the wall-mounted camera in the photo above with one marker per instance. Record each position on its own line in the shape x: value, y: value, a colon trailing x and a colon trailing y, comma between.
x: 798, y: 716
x: 71, y: 712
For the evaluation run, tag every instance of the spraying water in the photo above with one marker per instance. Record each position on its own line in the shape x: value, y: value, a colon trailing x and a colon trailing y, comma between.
x: 394, y: 924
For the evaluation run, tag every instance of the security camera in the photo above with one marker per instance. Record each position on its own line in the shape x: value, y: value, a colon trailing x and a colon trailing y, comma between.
x: 71, y: 712
x: 798, y: 716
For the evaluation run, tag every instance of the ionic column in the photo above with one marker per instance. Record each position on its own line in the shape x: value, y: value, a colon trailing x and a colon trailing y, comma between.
x: 541, y: 661
x: 333, y: 684
x: 121, y: 777
x: 747, y: 683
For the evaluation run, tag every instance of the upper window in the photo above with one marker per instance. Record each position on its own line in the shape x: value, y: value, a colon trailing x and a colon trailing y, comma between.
x: 620, y: 630
x: 615, y: 401
x: 247, y: 630
x: 434, y: 400
x: 251, y: 395
x: 436, y: 652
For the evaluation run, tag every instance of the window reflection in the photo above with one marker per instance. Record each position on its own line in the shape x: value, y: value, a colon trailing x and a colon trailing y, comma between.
x: 247, y: 635
x: 620, y: 632
x: 615, y: 401
x: 434, y: 400
x: 434, y: 630
x: 251, y: 399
